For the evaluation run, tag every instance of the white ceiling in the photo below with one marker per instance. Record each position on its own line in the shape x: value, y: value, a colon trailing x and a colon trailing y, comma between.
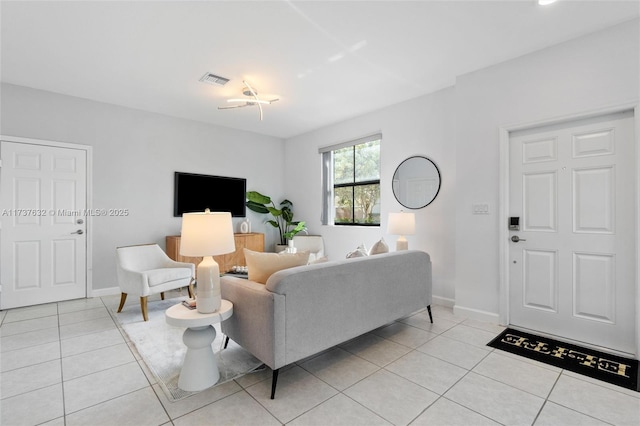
x: 326, y: 60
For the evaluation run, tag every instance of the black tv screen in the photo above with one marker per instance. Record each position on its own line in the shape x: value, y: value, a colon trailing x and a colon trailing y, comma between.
x: 195, y: 193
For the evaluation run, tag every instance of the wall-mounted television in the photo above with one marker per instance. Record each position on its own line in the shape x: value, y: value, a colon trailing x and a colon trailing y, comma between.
x: 195, y: 193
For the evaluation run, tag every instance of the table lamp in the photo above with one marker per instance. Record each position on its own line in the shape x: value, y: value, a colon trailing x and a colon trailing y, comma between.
x: 207, y: 234
x: 401, y: 224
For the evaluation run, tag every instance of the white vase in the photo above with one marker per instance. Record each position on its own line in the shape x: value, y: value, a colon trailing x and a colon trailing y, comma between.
x: 290, y: 247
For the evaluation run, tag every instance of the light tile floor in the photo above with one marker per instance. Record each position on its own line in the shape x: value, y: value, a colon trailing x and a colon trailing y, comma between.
x: 68, y: 363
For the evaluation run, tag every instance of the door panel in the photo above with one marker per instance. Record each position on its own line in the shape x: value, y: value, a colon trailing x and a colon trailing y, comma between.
x: 26, y: 265
x: 538, y: 151
x: 572, y: 274
x: 539, y: 198
x: 594, y: 287
x: 64, y: 258
x: 540, y: 279
x: 43, y: 255
x: 593, y: 200
x: 600, y: 142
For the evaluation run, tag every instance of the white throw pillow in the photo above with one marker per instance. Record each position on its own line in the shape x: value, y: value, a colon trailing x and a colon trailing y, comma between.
x: 361, y: 251
x: 379, y: 248
x: 262, y: 265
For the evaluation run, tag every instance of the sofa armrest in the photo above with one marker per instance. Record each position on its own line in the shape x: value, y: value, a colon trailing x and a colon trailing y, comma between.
x: 257, y: 323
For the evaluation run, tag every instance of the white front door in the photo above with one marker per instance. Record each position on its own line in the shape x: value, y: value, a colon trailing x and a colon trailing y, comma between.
x: 43, y: 249
x: 572, y: 274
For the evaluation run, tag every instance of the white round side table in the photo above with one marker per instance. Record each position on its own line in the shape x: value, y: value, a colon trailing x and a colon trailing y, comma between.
x: 200, y: 368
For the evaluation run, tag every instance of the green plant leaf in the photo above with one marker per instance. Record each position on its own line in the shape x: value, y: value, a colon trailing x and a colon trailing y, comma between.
x: 273, y: 223
x: 258, y: 198
x: 274, y: 211
x: 300, y: 226
x: 286, y: 203
x: 256, y: 207
x: 287, y: 214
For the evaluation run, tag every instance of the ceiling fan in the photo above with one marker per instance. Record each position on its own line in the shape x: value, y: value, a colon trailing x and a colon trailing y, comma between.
x: 253, y: 100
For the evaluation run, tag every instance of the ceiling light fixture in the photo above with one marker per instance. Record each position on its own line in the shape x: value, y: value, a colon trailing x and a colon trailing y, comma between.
x: 546, y: 2
x: 251, y: 101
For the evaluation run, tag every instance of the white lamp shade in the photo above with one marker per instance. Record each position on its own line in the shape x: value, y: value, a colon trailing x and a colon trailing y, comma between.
x: 402, y: 223
x: 206, y: 234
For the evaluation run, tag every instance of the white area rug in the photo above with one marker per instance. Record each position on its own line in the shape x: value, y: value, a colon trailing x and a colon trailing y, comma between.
x: 160, y: 346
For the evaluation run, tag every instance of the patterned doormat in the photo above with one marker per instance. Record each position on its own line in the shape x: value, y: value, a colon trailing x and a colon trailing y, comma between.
x: 599, y: 365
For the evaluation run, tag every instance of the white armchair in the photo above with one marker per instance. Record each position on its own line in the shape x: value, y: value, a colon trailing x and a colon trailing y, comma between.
x: 146, y: 269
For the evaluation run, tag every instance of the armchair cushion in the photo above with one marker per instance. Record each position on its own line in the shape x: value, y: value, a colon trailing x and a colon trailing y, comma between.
x: 164, y: 275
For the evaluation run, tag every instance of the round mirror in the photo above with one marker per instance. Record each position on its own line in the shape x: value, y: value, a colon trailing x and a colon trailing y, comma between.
x: 416, y: 182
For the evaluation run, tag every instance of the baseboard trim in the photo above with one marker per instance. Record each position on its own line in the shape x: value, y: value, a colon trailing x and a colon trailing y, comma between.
x: 476, y: 314
x: 100, y: 292
x: 443, y: 301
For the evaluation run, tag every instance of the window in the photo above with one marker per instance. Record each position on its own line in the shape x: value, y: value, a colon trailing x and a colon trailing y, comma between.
x: 351, y: 182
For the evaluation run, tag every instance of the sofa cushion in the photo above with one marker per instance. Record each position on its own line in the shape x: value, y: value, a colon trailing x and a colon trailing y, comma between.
x: 379, y: 248
x: 361, y: 251
x: 262, y: 265
x: 164, y: 275
x: 322, y: 259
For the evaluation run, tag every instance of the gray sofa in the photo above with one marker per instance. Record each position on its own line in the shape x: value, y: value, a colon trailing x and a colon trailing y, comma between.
x: 304, y: 310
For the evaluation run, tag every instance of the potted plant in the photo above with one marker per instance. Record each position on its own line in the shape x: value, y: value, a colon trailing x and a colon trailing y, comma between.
x: 282, y: 217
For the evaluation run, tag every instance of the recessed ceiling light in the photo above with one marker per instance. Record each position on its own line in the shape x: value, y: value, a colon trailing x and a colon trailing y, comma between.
x: 545, y: 2
x: 210, y: 78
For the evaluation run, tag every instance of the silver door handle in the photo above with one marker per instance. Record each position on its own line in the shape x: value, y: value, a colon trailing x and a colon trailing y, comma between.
x: 79, y: 232
x: 515, y: 239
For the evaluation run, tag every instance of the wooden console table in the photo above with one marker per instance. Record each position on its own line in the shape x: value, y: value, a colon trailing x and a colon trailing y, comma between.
x: 253, y: 241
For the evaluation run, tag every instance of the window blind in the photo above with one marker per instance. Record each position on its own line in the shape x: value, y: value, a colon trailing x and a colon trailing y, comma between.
x: 365, y: 139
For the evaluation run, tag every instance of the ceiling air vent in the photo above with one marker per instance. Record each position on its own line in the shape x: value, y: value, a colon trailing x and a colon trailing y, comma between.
x: 214, y: 79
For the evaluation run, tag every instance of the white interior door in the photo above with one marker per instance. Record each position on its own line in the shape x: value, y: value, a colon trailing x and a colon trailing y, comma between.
x: 43, y: 248
x: 572, y: 274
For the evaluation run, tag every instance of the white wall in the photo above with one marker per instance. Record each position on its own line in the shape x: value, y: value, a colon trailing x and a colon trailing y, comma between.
x: 578, y: 76
x: 422, y: 126
x: 135, y: 155
x: 459, y: 129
